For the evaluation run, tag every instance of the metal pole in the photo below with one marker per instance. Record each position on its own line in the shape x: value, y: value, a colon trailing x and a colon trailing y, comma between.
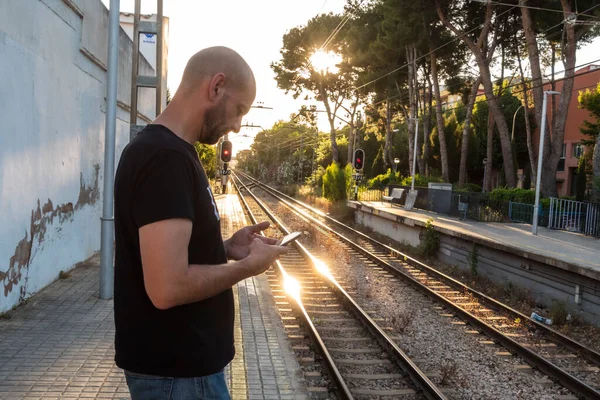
x: 540, y: 156
x: 539, y: 170
x: 159, y: 57
x: 107, y: 225
x: 414, y: 166
x: 134, y: 64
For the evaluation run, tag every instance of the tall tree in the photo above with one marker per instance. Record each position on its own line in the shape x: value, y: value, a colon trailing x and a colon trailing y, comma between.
x: 462, y: 177
x: 449, y: 12
x: 296, y: 73
x: 526, y: 105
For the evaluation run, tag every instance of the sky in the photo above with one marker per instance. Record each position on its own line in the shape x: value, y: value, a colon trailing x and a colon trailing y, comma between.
x: 254, y: 29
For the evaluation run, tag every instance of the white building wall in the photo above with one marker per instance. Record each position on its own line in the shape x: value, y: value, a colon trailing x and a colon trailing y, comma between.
x: 52, y: 113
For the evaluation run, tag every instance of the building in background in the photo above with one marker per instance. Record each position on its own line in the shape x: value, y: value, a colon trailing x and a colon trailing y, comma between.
x: 148, y: 43
x: 147, y: 40
x: 585, y: 78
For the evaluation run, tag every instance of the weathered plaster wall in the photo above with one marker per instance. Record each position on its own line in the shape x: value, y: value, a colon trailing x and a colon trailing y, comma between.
x: 52, y: 114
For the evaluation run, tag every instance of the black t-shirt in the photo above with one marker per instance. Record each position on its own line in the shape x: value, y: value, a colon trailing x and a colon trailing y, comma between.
x: 159, y: 177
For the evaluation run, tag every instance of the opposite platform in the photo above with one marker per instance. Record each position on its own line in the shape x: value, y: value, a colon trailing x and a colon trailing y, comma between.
x: 565, y: 250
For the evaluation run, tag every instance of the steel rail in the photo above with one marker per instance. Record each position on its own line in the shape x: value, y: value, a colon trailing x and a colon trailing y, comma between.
x: 430, y: 391
x: 555, y: 336
x: 342, y: 389
x: 567, y: 380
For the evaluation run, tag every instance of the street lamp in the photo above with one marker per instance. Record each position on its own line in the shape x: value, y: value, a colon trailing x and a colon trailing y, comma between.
x: 539, y: 167
x: 512, y: 136
x: 414, y: 166
x: 396, y: 161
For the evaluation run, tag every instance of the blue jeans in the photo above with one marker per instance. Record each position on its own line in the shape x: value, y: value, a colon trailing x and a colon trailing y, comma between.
x: 150, y: 387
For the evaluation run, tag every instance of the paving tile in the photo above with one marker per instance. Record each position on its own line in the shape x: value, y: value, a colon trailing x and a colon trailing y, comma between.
x: 269, y: 359
x: 61, y: 343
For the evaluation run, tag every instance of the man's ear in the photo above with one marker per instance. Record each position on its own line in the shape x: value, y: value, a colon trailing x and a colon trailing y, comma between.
x: 216, y: 87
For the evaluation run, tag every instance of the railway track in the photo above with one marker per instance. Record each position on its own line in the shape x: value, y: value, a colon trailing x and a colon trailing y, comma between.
x: 361, y: 359
x: 562, y: 359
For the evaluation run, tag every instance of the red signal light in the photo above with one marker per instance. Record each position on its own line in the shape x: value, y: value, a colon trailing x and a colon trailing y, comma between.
x: 226, y: 151
x: 358, y: 159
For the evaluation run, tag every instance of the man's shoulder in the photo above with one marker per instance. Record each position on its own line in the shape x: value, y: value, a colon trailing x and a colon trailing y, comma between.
x: 157, y: 142
x: 159, y: 138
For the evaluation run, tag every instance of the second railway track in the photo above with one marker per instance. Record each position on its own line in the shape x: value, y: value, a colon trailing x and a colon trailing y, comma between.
x: 565, y: 361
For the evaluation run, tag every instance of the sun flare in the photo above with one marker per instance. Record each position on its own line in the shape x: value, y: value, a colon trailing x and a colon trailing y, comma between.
x: 291, y: 287
x: 325, y: 61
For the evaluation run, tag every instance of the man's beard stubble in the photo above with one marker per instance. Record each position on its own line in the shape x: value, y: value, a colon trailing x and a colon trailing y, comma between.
x: 213, y: 128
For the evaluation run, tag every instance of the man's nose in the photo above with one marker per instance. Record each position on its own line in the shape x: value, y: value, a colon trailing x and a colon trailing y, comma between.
x: 237, y: 126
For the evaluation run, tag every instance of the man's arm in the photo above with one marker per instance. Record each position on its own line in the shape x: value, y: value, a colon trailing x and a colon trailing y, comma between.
x: 169, y: 279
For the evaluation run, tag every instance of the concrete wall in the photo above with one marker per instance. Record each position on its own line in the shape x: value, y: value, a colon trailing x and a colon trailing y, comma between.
x: 543, y: 282
x: 53, y: 56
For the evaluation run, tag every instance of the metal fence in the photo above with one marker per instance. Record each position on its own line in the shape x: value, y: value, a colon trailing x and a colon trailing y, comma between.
x: 523, y: 213
x: 370, y: 194
x: 575, y: 216
x: 474, y: 206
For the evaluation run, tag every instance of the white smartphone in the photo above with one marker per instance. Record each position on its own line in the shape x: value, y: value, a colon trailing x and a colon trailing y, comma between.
x: 289, y: 238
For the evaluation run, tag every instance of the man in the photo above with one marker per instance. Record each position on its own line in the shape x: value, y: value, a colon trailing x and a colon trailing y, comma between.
x: 173, y: 301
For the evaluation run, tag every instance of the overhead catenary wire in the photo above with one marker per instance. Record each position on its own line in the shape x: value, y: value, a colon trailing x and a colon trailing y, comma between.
x: 498, y: 3
x: 519, y: 83
x: 496, y: 57
x: 427, y: 54
x: 512, y: 7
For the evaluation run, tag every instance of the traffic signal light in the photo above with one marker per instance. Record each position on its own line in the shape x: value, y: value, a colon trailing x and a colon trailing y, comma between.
x: 226, y: 151
x: 359, y: 159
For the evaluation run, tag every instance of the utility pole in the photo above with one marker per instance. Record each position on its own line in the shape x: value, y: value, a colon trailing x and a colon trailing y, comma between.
x: 108, y: 222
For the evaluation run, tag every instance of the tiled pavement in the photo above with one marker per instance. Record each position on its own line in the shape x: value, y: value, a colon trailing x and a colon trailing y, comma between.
x: 271, y: 368
x: 60, y: 344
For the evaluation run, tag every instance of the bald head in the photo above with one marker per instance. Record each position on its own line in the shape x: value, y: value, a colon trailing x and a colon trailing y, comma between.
x: 217, y: 89
x: 207, y: 63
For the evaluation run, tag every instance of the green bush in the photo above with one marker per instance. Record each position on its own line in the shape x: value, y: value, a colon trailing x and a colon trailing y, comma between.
x: 349, y: 181
x: 316, y: 179
x: 430, y: 241
x: 381, y: 181
x: 515, y: 194
x: 207, y: 155
x: 420, y: 180
x: 468, y: 187
x: 334, y: 183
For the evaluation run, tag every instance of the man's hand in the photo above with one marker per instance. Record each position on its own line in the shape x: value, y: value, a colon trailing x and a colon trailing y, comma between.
x: 261, y: 256
x: 238, y: 245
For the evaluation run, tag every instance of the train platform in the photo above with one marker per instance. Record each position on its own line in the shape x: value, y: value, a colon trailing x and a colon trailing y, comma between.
x: 60, y: 343
x: 568, y: 251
